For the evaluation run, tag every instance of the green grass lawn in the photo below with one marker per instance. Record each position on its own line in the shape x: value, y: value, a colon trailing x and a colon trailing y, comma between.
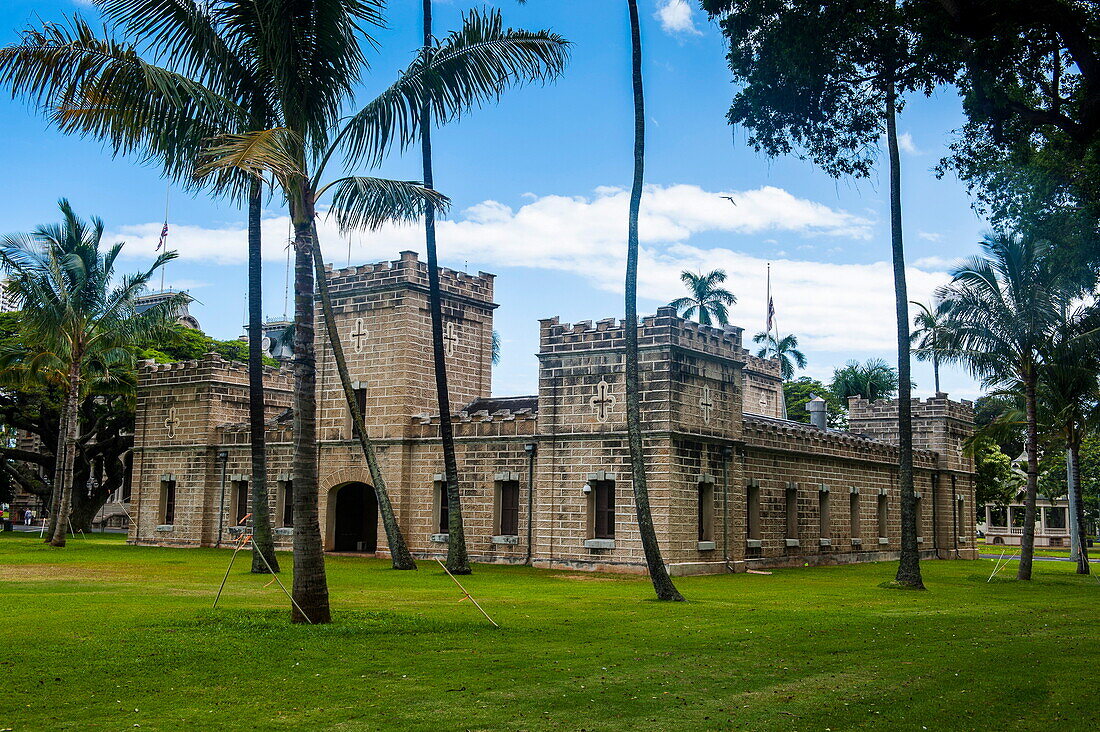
x: 1060, y: 553
x: 102, y: 635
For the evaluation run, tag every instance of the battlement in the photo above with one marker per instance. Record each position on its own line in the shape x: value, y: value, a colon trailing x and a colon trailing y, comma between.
x: 932, y: 407
x: 765, y: 366
x: 482, y: 423
x: 408, y: 270
x: 663, y: 329
x: 774, y: 433
x: 212, y: 367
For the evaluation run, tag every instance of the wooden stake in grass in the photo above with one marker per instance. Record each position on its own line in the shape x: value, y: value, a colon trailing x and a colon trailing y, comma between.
x: 467, y: 595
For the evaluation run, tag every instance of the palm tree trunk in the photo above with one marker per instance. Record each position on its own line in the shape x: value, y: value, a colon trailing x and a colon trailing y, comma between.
x: 63, y: 471
x: 908, y: 574
x: 1077, y: 509
x: 658, y: 573
x: 263, y: 542
x: 310, y: 588
x: 399, y: 550
x: 1027, y: 542
x: 1071, y: 493
x: 936, y: 371
x: 56, y: 481
x: 458, y: 562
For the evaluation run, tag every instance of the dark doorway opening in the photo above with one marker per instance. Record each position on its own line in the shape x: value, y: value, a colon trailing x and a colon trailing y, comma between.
x: 356, y: 516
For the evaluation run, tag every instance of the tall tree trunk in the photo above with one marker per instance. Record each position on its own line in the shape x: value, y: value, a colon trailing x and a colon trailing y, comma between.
x: 936, y: 371
x: 57, y: 479
x: 63, y: 472
x: 263, y: 542
x: 908, y: 574
x: 1027, y: 542
x: 310, y: 588
x: 457, y: 560
x: 1077, y: 510
x: 662, y: 583
x: 1071, y: 491
x: 399, y: 550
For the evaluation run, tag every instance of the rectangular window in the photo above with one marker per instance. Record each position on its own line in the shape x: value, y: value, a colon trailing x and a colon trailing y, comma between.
x: 442, y: 508
x: 286, y: 508
x: 705, y: 511
x: 918, y: 510
x: 883, y: 525
x: 509, y: 508
x: 1055, y: 517
x: 754, y: 510
x: 853, y: 513
x: 603, y: 509
x: 792, y: 510
x: 823, y: 513
x: 998, y: 516
x: 1017, y: 514
x: 240, y: 501
x: 168, y: 501
x: 361, y: 403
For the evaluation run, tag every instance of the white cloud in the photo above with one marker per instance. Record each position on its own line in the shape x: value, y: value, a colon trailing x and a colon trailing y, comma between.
x: 906, y: 144
x: 938, y: 264
x: 832, y: 307
x: 676, y: 17
x: 930, y: 235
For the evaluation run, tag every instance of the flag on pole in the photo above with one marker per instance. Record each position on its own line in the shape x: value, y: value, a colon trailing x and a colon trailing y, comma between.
x: 163, y: 236
x: 771, y: 314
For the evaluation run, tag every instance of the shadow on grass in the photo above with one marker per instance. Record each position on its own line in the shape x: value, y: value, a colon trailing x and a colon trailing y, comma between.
x: 351, y: 624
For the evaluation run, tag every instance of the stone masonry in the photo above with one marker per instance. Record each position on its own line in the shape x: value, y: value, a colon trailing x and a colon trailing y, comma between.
x: 544, y: 478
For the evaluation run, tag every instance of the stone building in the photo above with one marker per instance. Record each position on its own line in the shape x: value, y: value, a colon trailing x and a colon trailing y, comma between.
x: 544, y: 478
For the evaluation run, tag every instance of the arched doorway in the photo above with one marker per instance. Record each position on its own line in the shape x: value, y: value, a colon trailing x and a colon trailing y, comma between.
x: 355, y: 515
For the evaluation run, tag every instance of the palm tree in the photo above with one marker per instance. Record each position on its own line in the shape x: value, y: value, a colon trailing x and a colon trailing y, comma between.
x: 1002, y: 307
x: 1069, y: 401
x: 79, y: 315
x: 707, y: 299
x: 874, y: 379
x: 928, y: 331
x: 216, y: 90
x: 786, y: 350
x: 548, y: 59
x: 658, y: 573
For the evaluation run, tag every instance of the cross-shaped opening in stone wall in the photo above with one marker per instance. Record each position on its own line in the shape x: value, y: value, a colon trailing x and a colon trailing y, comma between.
x: 170, y: 423
x: 450, y: 339
x: 603, y: 401
x: 359, y: 335
x: 707, y: 404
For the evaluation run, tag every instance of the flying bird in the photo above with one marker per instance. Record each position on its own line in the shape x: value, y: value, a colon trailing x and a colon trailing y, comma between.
x: 730, y: 199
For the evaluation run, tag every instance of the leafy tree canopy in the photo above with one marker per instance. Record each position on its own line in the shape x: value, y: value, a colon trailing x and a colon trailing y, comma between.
x: 996, y: 481
x: 802, y: 390
x: 1052, y: 479
x: 188, y: 344
x: 873, y: 379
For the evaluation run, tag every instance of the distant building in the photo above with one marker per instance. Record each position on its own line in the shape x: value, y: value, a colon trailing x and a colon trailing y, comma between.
x: 277, y: 342
x: 183, y: 314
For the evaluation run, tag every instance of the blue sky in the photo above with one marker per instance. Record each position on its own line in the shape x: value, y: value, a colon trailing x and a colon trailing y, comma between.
x: 537, y: 184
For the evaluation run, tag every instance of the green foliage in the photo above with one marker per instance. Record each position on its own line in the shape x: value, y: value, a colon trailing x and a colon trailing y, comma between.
x: 1052, y: 478
x: 995, y: 479
x: 992, y: 408
x: 708, y: 300
x: 1030, y: 149
x: 813, y: 78
x: 873, y: 379
x: 802, y: 390
x: 187, y: 344
x: 786, y: 350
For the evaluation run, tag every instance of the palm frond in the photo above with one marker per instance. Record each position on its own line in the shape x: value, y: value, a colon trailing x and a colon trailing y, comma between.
x: 276, y: 151
x: 468, y: 68
x: 360, y: 202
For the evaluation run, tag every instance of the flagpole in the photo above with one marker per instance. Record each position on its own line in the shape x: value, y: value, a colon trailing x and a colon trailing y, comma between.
x: 768, y: 310
x: 167, y: 192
